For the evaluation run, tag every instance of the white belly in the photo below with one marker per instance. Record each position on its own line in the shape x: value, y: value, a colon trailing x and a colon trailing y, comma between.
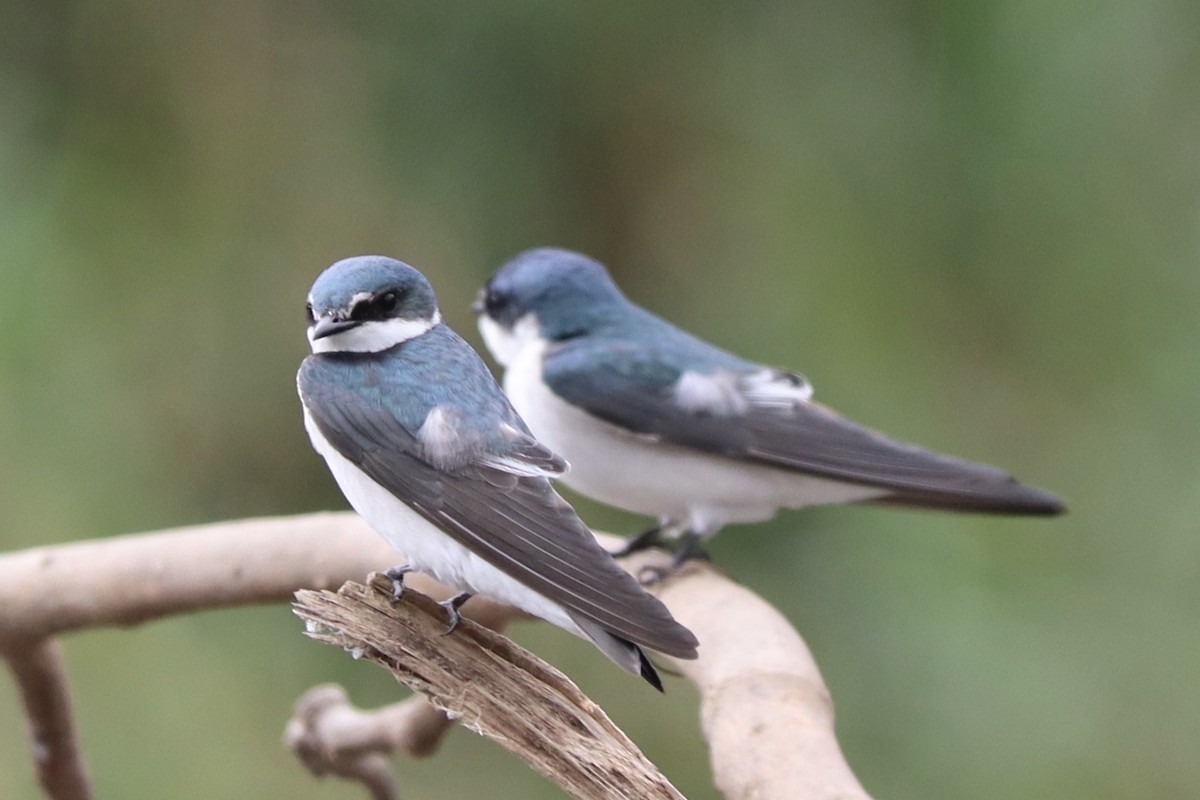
x: 635, y: 473
x: 426, y: 547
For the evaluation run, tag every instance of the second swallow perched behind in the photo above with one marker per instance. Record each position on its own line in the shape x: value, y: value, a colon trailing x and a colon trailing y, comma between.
x: 659, y: 422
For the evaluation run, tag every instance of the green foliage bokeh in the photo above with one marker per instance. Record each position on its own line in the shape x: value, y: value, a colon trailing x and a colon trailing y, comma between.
x: 974, y: 226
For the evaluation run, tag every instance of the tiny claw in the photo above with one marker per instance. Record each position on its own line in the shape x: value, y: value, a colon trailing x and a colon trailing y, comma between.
x: 648, y: 576
x: 396, y: 576
x: 452, y: 605
x: 689, y: 549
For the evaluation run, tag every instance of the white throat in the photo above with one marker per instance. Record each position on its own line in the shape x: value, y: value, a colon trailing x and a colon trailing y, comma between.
x: 371, y: 337
x: 506, y: 344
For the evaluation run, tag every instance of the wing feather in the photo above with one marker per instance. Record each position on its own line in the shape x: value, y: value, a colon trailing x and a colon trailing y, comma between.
x: 777, y: 425
x: 512, y: 519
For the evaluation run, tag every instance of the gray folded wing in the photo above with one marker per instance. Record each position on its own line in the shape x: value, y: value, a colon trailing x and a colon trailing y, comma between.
x: 745, y: 413
x: 515, y: 522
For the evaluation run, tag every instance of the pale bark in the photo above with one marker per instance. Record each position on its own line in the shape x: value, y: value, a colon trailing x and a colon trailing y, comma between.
x: 40, y: 672
x: 765, y: 710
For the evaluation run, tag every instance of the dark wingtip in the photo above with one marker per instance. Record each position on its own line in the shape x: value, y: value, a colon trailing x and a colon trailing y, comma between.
x: 1009, y: 498
x: 1036, y: 502
x: 648, y: 672
x: 690, y: 654
x: 679, y: 642
x: 1052, y: 506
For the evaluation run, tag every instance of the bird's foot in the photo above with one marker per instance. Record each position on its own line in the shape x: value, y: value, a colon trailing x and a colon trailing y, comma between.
x: 452, y: 605
x: 641, y: 541
x: 689, y: 549
x: 396, y: 576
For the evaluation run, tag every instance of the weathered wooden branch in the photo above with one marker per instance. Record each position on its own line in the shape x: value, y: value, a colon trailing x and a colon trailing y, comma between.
x: 490, y: 685
x: 765, y: 710
x: 332, y: 736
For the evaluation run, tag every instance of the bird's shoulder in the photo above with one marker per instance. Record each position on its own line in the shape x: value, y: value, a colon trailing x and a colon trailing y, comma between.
x: 434, y: 399
x: 641, y: 348
x: 667, y: 371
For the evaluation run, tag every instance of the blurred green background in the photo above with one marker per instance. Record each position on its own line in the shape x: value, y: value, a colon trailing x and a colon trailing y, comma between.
x: 972, y: 225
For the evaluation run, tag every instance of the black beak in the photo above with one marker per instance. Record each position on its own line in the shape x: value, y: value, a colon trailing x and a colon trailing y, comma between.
x: 328, y: 326
x: 478, y: 306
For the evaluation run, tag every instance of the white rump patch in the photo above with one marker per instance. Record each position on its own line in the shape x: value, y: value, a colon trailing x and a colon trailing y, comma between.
x: 774, y: 389
x: 371, y: 337
x: 506, y: 344
x: 717, y: 394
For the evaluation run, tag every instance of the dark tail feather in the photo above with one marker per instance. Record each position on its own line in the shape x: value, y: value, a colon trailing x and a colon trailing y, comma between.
x: 622, y: 652
x: 648, y: 672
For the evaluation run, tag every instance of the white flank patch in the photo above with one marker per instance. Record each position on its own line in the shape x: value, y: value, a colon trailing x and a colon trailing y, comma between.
x: 717, y: 394
x: 439, y: 436
x: 371, y: 337
x: 776, y: 389
x: 506, y: 344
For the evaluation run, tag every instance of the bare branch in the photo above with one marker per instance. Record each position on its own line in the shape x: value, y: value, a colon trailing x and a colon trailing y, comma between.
x: 326, y: 729
x: 491, y: 685
x: 41, y: 674
x: 764, y: 707
x: 330, y: 736
x: 765, y: 710
x: 127, y: 580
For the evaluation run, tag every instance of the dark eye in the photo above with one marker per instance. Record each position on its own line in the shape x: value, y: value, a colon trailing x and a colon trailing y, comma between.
x: 377, y: 308
x: 495, y: 302
x: 386, y: 302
